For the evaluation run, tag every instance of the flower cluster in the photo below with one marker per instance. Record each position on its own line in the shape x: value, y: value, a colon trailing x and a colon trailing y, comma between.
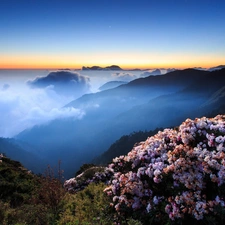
x: 1, y: 156
x: 180, y: 170
x: 93, y: 174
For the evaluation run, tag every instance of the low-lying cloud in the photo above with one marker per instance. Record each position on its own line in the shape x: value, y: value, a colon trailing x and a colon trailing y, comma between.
x: 63, y: 82
x: 151, y: 73
x: 5, y: 87
x: 39, y: 116
x: 22, y: 108
x: 24, y: 104
x: 124, y: 76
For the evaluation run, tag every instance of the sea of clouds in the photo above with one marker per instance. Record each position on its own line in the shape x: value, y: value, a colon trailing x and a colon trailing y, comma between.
x: 34, y: 97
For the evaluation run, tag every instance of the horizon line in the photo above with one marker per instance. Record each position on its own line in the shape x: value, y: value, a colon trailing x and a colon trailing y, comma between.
x: 125, y: 68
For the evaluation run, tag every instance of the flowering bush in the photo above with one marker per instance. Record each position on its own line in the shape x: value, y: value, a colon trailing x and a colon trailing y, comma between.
x: 91, y: 175
x: 174, y: 175
x: 1, y: 156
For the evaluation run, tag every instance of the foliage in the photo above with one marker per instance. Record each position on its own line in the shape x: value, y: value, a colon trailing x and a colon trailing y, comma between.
x: 89, y: 206
x: 17, y: 183
x: 83, y: 168
x: 45, y: 201
x: 26, y: 198
x: 93, y: 174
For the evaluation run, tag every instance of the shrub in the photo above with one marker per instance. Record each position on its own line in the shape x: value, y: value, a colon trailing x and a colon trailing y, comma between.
x: 87, y: 207
x: 174, y: 177
x: 93, y: 174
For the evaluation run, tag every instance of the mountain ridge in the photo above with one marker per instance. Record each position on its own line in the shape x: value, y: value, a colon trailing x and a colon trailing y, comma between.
x: 112, y: 67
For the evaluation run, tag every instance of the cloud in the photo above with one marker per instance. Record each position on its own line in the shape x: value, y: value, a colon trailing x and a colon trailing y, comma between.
x: 170, y: 70
x: 39, y: 116
x: 22, y: 108
x: 63, y: 82
x: 123, y: 76
x: 5, y: 87
x: 151, y: 73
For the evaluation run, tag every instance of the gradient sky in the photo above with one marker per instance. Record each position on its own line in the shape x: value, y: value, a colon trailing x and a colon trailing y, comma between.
x: 131, y: 34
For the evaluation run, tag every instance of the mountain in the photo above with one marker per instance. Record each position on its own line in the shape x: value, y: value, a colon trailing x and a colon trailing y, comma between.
x: 139, y: 90
x: 142, y: 104
x: 111, y: 84
x: 24, y: 153
x: 113, y: 67
x: 122, y: 146
x: 194, y: 100
x: 215, y: 104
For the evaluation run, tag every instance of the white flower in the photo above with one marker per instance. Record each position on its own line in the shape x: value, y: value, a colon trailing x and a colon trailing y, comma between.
x: 219, y: 139
x: 149, y: 207
x: 157, y: 172
x: 155, y: 200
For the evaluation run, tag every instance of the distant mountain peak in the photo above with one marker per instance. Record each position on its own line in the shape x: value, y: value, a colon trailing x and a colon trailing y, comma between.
x: 112, y: 67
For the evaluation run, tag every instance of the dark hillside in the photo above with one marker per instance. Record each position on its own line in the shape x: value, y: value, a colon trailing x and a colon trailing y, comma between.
x: 17, y: 183
x: 26, y: 198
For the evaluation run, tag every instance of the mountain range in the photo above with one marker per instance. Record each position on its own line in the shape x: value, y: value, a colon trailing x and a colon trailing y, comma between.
x: 142, y: 104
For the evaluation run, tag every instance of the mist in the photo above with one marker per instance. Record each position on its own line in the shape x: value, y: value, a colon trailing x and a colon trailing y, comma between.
x: 34, y: 97
x: 64, y: 116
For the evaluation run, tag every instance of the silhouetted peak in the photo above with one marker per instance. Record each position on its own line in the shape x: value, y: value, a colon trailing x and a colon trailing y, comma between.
x: 112, y: 67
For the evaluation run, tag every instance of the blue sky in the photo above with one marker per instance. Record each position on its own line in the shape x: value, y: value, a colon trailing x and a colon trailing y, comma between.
x: 66, y: 33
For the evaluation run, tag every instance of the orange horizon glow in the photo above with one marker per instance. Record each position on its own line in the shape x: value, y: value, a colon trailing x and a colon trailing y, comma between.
x: 125, y: 61
x: 124, y: 67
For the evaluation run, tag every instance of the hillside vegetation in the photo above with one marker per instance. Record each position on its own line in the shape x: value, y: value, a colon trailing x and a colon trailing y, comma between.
x: 26, y: 198
x: 176, y: 176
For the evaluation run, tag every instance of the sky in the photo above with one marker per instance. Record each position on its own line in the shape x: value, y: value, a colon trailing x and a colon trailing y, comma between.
x: 51, y: 34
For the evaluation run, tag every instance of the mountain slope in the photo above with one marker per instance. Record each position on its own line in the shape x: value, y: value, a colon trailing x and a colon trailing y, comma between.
x: 197, y: 99
x: 142, y: 89
x: 111, y: 84
x: 23, y: 153
x: 123, y: 146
